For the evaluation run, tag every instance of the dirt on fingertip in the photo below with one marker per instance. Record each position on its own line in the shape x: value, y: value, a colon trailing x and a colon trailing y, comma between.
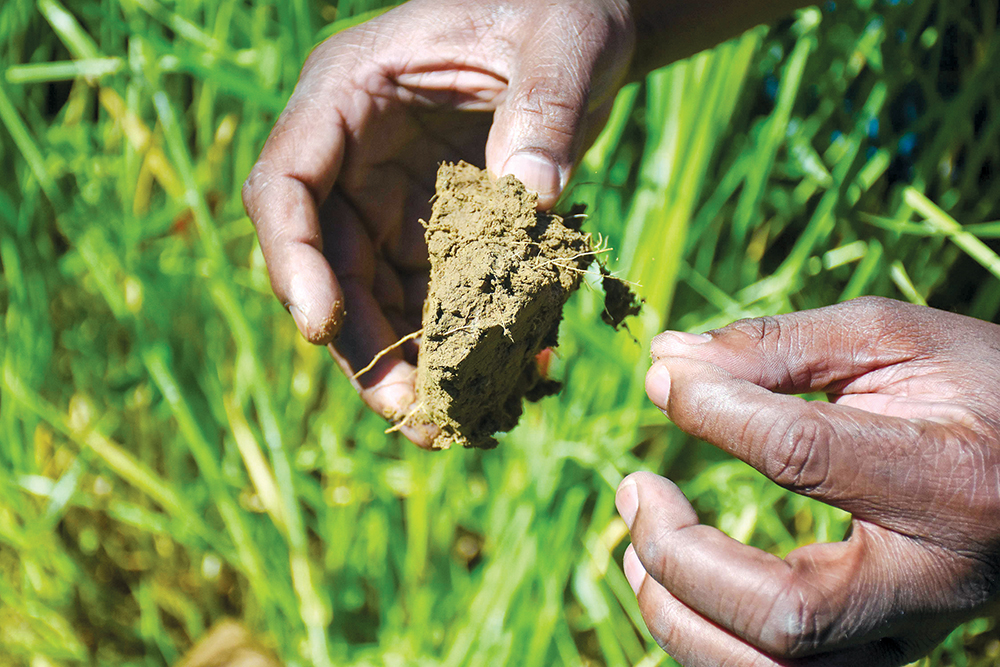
x: 501, y: 273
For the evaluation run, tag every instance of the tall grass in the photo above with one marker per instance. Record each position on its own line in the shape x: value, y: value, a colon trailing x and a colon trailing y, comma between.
x: 171, y: 453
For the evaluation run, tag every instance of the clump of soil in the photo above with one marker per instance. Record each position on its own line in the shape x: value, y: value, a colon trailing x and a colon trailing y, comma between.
x: 619, y: 300
x: 500, y: 275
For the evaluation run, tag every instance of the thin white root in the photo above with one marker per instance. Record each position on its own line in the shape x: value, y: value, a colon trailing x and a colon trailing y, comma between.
x: 467, y: 327
x: 558, y: 261
x: 405, y: 339
x: 403, y: 422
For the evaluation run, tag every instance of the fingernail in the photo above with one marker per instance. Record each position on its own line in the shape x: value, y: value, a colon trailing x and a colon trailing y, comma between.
x: 394, y: 393
x: 663, y: 343
x: 689, y: 338
x: 658, y: 385
x: 423, y: 435
x: 301, y: 321
x: 538, y: 173
x: 627, y: 502
x: 634, y: 571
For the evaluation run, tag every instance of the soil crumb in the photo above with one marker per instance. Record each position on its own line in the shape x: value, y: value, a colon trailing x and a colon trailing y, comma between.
x: 619, y: 300
x: 500, y: 275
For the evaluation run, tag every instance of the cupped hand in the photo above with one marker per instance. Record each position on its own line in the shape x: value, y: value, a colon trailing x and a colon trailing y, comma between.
x: 909, y: 445
x: 349, y: 168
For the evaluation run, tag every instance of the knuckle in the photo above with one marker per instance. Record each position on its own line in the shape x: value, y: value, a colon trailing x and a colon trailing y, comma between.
x: 971, y: 581
x: 246, y: 194
x: 249, y: 194
x: 877, y: 317
x: 354, y: 60
x: 587, y: 26
x: 783, y: 338
x: 333, y: 62
x: 255, y: 193
x: 973, y: 420
x: 759, y: 329
x: 318, y: 55
x: 477, y: 26
x: 795, y: 626
x: 797, y: 457
x: 970, y: 481
x: 877, y: 306
x: 663, y: 627
x: 693, y: 410
x: 663, y: 563
x: 549, y: 99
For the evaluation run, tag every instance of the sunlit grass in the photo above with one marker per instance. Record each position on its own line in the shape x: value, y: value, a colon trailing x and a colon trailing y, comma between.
x: 171, y: 453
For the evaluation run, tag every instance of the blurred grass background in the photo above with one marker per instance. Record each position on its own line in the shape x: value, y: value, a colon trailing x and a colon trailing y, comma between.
x: 172, y: 454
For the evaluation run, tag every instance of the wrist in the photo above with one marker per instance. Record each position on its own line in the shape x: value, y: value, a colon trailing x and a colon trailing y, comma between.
x: 670, y: 30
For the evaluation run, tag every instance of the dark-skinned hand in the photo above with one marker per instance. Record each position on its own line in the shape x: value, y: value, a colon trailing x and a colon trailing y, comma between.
x: 349, y: 168
x: 909, y: 444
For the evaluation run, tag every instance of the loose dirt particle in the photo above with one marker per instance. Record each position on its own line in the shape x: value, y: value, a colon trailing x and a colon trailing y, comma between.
x: 619, y: 300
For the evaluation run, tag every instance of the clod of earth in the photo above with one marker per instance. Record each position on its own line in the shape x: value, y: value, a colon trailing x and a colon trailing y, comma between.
x: 619, y: 300
x: 500, y: 275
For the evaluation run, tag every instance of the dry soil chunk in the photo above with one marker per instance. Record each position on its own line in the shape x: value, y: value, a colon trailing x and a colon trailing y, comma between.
x: 500, y: 275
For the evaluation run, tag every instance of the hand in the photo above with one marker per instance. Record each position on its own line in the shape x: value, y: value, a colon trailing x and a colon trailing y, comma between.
x: 350, y: 165
x: 909, y: 445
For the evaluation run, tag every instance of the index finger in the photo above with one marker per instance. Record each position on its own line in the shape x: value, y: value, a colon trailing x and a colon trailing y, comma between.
x: 874, y: 466
x: 293, y: 176
x: 821, y: 598
x: 866, y: 345
x: 694, y: 641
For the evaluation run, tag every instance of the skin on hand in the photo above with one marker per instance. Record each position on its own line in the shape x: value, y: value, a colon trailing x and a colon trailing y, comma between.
x: 909, y: 445
x: 349, y: 168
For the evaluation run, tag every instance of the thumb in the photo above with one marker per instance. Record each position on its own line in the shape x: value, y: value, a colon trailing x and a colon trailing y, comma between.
x: 812, y: 350
x: 536, y: 129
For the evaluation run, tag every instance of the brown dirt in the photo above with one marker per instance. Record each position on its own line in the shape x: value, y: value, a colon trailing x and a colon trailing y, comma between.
x: 500, y: 275
x: 619, y: 300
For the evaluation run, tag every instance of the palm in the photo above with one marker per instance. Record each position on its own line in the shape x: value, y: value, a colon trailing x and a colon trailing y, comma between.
x: 916, y: 390
x: 371, y: 227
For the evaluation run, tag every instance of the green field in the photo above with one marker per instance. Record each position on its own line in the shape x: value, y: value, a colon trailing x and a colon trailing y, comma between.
x: 171, y: 453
